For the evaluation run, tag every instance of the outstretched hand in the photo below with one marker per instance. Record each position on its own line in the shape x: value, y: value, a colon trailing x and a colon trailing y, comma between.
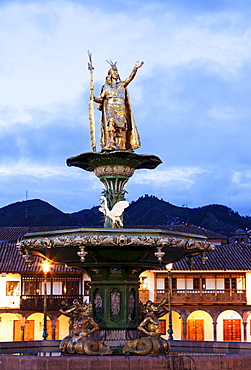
x: 138, y: 64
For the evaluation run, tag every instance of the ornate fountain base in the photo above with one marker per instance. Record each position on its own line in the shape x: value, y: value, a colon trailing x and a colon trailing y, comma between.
x: 114, y: 259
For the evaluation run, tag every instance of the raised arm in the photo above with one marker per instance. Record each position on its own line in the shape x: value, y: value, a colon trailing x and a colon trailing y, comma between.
x: 133, y: 73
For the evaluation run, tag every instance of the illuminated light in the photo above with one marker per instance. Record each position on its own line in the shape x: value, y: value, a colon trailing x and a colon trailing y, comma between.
x: 169, y: 266
x: 46, y: 266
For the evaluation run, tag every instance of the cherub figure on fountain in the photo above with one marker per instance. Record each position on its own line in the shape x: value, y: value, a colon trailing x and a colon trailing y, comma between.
x: 151, y: 342
x: 81, y: 326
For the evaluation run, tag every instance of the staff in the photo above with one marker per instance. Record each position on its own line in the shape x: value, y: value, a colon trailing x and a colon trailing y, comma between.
x: 91, y: 104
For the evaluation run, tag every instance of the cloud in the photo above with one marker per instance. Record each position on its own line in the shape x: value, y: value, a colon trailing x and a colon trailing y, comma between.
x: 44, y: 46
x: 173, y: 176
x: 242, y: 179
x: 34, y: 169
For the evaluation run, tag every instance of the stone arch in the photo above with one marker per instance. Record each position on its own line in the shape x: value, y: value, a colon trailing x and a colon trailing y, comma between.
x: 247, y: 323
x: 7, y: 326
x: 38, y: 320
x: 62, y: 326
x: 199, y: 326
x: 177, y: 325
x: 234, y: 318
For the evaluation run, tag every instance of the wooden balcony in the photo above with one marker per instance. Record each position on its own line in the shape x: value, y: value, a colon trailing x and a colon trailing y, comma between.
x: 54, y: 302
x: 207, y: 297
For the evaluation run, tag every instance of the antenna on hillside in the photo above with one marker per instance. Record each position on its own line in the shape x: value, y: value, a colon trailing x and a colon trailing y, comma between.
x: 26, y: 204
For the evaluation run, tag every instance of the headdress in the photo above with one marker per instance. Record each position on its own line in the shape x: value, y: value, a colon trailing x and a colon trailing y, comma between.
x: 113, y: 65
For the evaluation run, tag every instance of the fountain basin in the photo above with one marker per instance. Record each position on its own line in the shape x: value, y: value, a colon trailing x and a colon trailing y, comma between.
x: 240, y: 361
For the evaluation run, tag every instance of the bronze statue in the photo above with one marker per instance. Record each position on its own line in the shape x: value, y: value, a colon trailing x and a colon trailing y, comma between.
x: 151, y: 343
x: 118, y: 129
x: 81, y: 326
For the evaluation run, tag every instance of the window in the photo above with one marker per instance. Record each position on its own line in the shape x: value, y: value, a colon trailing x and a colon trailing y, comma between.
x: 12, y: 288
x: 29, y: 287
x: 196, y: 283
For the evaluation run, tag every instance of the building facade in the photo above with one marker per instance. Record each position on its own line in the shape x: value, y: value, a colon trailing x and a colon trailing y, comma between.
x: 210, y: 301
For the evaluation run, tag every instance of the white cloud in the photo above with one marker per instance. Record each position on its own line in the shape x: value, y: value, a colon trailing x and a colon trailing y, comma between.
x: 43, y: 49
x: 172, y: 176
x: 242, y: 179
x: 34, y: 169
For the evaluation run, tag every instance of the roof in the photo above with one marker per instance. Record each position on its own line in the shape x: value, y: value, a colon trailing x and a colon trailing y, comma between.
x: 189, y: 229
x: 12, y: 262
x: 232, y: 257
x: 239, y: 232
x: 17, y: 233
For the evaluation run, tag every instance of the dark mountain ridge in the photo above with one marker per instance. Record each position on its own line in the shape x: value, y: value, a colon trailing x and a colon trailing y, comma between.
x: 146, y: 211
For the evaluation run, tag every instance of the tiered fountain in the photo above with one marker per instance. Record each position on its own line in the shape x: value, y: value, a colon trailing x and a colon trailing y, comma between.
x: 112, y: 256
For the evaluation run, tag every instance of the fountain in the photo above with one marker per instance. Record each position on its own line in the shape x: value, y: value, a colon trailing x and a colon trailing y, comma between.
x: 114, y: 257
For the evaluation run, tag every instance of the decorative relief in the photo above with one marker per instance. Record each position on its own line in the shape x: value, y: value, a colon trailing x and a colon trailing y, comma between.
x: 82, y: 253
x: 96, y: 271
x: 159, y: 254
x: 115, y: 303
x: 142, y: 240
x: 115, y: 170
x: 122, y: 240
x: 115, y: 271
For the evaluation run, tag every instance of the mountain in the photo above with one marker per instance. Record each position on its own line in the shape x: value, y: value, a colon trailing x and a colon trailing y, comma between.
x: 147, y: 211
x: 34, y: 212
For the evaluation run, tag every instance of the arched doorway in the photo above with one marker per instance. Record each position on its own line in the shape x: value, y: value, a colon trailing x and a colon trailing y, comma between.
x: 62, y: 326
x: 7, y: 326
x: 199, y: 326
x: 34, y: 327
x: 229, y: 326
x: 176, y: 324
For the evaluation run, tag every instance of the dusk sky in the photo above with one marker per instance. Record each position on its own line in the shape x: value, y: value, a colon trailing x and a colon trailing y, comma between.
x: 191, y: 99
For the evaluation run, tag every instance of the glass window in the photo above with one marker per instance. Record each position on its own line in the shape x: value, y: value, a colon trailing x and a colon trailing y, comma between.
x: 12, y: 288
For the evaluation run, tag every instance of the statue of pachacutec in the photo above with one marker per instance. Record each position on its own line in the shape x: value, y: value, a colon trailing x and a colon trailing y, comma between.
x: 118, y: 129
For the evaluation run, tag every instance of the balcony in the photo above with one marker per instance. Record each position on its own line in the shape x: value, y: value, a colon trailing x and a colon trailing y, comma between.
x: 54, y: 302
x: 207, y: 297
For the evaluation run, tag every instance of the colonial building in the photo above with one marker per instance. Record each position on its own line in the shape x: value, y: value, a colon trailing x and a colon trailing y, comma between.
x: 210, y: 301
x: 22, y: 292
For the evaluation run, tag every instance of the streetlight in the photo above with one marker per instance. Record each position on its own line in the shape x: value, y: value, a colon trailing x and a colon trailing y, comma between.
x: 170, y: 329
x: 46, y: 268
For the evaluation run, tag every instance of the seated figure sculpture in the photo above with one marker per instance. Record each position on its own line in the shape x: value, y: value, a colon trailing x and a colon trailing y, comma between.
x: 81, y: 326
x: 151, y: 342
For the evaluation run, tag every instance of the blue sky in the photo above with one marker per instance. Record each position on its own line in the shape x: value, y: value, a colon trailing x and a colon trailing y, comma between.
x: 191, y: 99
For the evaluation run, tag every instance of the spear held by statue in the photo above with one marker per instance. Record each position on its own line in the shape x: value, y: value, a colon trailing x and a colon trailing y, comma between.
x: 91, y: 104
